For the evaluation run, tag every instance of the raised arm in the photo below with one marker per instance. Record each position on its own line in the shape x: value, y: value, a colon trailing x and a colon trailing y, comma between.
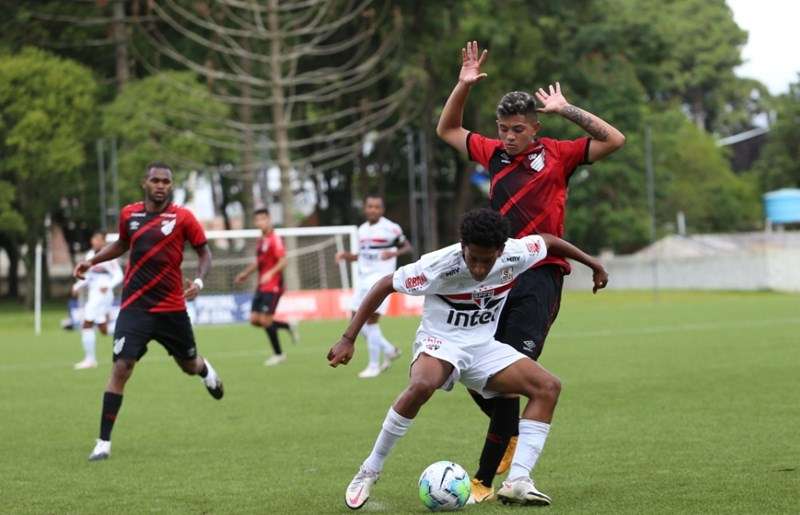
x: 563, y: 248
x: 450, y: 127
x: 605, y: 137
x: 342, y: 352
x: 111, y: 251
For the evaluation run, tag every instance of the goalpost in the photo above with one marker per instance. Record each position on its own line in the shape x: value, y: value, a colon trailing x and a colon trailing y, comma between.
x: 316, y: 286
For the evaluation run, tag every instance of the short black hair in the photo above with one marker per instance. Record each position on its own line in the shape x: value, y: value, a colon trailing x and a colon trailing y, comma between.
x: 373, y: 194
x: 101, y: 232
x: 157, y: 164
x: 485, y: 228
x: 517, y: 102
x: 261, y: 211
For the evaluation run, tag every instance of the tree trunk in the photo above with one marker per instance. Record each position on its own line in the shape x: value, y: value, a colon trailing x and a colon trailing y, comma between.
x: 248, y: 139
x: 279, y: 117
x: 120, y: 34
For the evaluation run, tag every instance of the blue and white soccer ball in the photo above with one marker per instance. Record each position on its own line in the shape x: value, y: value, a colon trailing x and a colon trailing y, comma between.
x: 444, y: 486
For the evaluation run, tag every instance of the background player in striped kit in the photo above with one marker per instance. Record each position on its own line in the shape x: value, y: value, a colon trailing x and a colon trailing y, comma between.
x: 101, y: 279
x: 380, y: 241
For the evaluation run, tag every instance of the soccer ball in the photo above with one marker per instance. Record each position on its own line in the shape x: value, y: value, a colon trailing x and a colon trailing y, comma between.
x: 444, y: 486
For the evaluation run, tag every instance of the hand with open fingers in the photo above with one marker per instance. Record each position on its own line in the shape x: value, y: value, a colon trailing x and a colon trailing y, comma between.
x: 191, y: 290
x: 341, y: 353
x: 600, y: 278
x: 552, y: 100
x: 471, y: 63
x: 80, y: 270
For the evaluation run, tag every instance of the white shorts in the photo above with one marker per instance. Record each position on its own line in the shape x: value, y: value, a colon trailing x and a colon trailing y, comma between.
x: 364, y: 285
x: 473, y: 364
x: 98, y: 308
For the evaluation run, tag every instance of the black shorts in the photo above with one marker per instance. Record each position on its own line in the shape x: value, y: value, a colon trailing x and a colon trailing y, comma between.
x: 135, y: 328
x: 265, y: 302
x: 531, y: 308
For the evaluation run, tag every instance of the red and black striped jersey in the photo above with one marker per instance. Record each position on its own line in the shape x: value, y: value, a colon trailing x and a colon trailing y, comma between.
x: 530, y: 188
x: 270, y: 250
x: 153, y: 278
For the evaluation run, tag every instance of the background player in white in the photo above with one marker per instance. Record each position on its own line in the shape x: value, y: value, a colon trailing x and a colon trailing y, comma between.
x: 465, y: 287
x: 380, y: 241
x: 100, y: 281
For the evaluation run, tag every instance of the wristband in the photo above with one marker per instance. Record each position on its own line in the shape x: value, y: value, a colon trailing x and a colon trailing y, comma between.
x: 199, y: 283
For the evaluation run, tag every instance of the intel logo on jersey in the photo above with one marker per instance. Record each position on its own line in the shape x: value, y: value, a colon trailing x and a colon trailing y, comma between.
x: 477, y: 317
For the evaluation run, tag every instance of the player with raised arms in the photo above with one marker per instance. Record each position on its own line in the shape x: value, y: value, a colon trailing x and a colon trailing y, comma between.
x: 465, y: 287
x: 529, y: 177
x: 380, y: 241
x: 99, y: 284
x: 153, y: 295
x: 270, y: 262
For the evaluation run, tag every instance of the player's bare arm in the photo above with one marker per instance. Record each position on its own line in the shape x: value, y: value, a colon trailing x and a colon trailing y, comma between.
x: 605, y: 137
x: 244, y: 274
x: 203, y: 266
x: 342, y: 352
x: 450, y: 127
x: 111, y: 251
x: 559, y: 247
x: 404, y: 249
x: 346, y: 256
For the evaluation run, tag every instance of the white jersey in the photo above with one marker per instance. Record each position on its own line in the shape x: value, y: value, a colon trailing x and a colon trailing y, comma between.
x: 458, y: 309
x: 373, y: 240
x: 106, y: 275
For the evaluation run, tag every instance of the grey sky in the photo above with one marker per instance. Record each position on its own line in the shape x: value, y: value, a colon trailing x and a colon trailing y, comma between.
x: 771, y: 53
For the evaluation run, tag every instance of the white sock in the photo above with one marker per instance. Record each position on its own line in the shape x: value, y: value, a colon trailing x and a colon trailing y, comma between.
x: 373, y: 345
x: 88, y: 342
x: 394, y: 426
x: 211, y: 376
x: 386, y: 345
x: 532, y: 435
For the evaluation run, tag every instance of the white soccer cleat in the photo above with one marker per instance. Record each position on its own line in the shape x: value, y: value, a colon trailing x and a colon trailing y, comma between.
x: 294, y: 331
x: 370, y: 372
x: 102, y: 450
x: 521, y: 490
x: 277, y: 359
x: 357, y: 493
x: 86, y: 363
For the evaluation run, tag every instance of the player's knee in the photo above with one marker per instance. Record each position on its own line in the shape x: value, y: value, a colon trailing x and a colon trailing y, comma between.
x: 422, y: 389
x: 549, y: 388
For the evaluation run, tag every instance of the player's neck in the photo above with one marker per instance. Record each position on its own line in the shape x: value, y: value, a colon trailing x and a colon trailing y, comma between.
x: 155, y: 207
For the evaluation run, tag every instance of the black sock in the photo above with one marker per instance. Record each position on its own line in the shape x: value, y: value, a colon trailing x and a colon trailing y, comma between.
x: 486, y: 405
x: 272, y: 333
x: 503, y: 425
x: 204, y: 372
x: 111, y: 404
x: 277, y: 324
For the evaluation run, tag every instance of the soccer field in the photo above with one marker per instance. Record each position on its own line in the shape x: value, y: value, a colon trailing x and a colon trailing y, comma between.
x: 689, y: 403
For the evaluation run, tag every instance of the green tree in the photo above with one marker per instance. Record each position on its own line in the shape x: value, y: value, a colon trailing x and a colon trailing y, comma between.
x: 160, y: 118
x: 779, y: 163
x: 46, y: 109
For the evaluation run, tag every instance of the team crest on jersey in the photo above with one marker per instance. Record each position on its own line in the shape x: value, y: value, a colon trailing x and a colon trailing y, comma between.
x: 133, y: 225
x: 533, y: 247
x: 167, y: 226
x: 482, y: 297
x: 506, y: 275
x: 536, y: 161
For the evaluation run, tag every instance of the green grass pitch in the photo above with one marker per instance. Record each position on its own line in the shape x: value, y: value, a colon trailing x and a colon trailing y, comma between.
x: 688, y: 403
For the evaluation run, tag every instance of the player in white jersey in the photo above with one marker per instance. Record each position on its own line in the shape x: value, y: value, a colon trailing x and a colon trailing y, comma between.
x: 99, y: 283
x: 465, y: 287
x: 380, y: 241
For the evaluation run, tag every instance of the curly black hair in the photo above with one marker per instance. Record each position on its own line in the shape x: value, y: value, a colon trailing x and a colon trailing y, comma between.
x: 484, y: 228
x: 517, y: 102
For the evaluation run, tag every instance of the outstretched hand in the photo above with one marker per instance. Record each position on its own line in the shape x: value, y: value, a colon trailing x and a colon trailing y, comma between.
x: 552, y: 100
x: 471, y: 63
x: 600, y: 278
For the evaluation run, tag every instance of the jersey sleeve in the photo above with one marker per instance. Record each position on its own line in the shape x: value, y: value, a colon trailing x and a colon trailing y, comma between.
x: 573, y: 153
x: 123, y: 226
x: 412, y: 279
x: 277, y: 248
x: 193, y: 231
x: 480, y: 148
x: 533, y: 250
x: 400, y: 238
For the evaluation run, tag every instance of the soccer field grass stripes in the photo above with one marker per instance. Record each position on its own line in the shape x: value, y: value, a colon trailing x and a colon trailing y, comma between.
x: 685, y: 405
